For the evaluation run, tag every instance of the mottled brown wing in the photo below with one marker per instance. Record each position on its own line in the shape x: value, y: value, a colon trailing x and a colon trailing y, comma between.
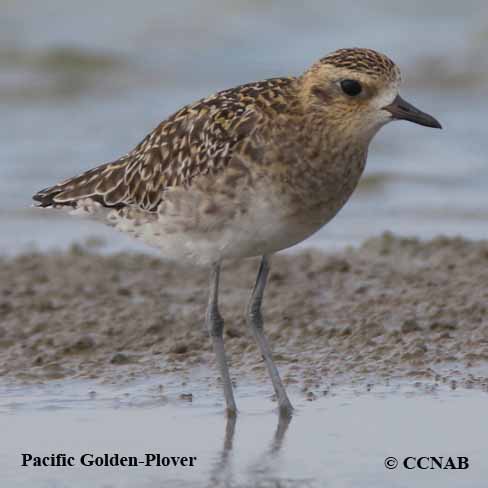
x: 199, y: 139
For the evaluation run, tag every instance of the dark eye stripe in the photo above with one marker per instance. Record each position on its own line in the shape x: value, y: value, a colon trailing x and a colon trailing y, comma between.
x: 321, y: 93
x: 351, y: 87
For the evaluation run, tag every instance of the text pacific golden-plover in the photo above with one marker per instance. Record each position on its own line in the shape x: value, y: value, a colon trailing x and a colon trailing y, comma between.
x: 247, y: 172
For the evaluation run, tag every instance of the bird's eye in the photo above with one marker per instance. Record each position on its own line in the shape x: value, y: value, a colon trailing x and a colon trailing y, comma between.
x: 351, y: 87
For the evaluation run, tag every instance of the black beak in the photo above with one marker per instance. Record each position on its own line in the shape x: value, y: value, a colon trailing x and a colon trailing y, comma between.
x: 402, y: 110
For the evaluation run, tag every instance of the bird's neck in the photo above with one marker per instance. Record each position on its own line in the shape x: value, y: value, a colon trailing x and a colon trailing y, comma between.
x: 329, y: 164
x: 329, y: 143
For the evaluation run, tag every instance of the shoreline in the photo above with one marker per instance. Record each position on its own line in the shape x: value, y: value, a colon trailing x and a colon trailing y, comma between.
x: 393, y: 308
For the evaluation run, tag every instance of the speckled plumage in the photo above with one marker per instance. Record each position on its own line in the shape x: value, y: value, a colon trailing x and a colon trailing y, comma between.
x: 199, y: 139
x: 248, y: 171
x: 363, y: 60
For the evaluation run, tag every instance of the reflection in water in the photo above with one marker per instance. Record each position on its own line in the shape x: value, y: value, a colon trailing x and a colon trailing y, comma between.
x: 221, y: 474
x: 282, y: 427
x: 262, y: 471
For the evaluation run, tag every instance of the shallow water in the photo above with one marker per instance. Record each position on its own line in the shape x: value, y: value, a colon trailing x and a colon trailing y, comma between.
x: 339, y: 440
x: 72, y: 100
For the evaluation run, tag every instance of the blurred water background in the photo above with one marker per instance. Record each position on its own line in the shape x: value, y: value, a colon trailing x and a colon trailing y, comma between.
x: 82, y: 82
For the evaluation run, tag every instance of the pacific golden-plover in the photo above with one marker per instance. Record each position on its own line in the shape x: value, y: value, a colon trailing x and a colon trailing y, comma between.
x: 247, y: 172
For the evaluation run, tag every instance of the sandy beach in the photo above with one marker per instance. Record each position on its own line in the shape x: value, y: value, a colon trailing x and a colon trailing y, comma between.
x: 393, y: 308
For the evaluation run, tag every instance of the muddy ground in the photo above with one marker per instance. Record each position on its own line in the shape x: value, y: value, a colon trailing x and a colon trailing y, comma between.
x: 391, y: 309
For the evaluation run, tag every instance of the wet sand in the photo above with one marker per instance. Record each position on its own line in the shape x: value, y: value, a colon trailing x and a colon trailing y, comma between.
x: 392, y: 309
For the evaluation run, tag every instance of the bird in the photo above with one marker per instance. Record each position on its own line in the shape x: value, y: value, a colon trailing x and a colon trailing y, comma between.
x: 247, y: 172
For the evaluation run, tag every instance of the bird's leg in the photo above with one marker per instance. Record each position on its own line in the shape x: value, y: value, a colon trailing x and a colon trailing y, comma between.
x: 215, y: 325
x: 255, y: 321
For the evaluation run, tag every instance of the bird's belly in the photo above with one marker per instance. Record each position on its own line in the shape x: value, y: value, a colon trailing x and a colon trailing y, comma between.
x: 265, y: 233
x: 262, y: 228
x: 193, y: 229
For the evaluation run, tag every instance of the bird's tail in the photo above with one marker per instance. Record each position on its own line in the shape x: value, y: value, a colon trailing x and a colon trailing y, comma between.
x: 101, y: 184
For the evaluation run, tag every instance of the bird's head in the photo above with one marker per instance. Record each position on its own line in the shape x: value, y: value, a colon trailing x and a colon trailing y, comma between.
x: 357, y: 91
